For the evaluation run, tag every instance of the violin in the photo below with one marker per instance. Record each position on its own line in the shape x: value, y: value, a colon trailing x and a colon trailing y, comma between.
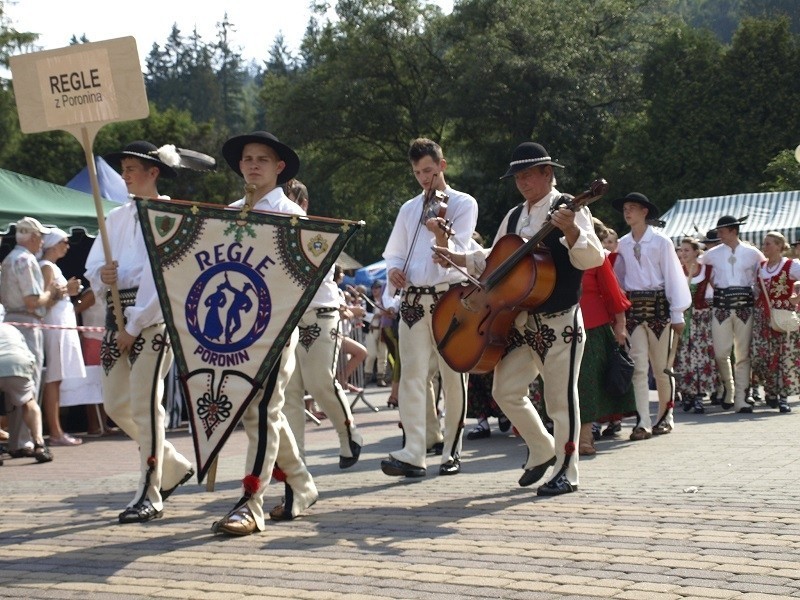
x: 436, y: 207
x: 471, y: 321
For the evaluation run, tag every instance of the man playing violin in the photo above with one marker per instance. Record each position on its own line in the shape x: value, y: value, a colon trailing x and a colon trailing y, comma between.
x: 446, y: 220
x: 549, y: 339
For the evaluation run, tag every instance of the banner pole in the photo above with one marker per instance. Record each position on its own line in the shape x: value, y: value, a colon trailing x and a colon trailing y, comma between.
x: 101, y: 223
x: 211, y: 475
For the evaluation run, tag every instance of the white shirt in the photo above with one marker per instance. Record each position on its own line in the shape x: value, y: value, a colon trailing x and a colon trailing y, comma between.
x: 586, y: 253
x: 133, y: 269
x: 734, y: 267
x: 417, y: 263
x: 656, y: 268
x: 794, y: 270
x: 276, y: 201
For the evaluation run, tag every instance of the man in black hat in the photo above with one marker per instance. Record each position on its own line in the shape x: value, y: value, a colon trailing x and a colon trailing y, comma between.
x: 137, y: 358
x: 266, y: 163
x: 549, y: 340
x: 735, y: 265
x: 711, y: 240
x: 651, y: 274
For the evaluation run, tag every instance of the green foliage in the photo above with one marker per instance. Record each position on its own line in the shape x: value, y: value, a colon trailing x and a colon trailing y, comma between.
x: 782, y: 173
x: 715, y: 115
x: 674, y: 98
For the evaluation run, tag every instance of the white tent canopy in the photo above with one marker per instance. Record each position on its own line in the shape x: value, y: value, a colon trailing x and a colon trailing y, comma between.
x: 768, y: 211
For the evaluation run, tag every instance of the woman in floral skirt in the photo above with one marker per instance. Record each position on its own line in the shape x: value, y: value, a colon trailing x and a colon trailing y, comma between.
x: 695, y: 369
x: 775, y: 355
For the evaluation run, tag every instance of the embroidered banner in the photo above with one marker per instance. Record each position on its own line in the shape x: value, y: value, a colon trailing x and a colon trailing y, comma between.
x: 232, y: 286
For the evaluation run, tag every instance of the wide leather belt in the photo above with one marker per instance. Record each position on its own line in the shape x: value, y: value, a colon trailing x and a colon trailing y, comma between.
x: 127, y: 297
x: 326, y: 310
x: 647, y: 305
x: 732, y: 298
x: 432, y: 290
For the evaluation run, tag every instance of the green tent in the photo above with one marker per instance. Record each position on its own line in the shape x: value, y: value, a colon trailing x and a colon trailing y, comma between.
x: 54, y: 205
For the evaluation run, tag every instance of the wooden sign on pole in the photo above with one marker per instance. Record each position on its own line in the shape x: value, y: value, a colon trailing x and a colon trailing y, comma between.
x: 79, y: 89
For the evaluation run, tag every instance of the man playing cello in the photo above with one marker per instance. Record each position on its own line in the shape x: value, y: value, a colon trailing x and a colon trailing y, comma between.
x: 548, y: 339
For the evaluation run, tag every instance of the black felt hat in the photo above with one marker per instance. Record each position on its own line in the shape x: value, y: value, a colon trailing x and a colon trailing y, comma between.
x: 149, y: 152
x: 232, y: 151
x: 730, y: 221
x: 652, y: 209
x: 712, y: 237
x: 527, y: 155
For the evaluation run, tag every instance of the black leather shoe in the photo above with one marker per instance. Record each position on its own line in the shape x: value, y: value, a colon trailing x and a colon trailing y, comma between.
x: 451, y: 467
x: 556, y: 487
x: 23, y: 452
x: 699, y: 409
x: 398, y: 468
x: 534, y: 474
x: 503, y: 424
x: 479, y: 433
x: 783, y: 405
x: 345, y: 462
x: 686, y: 401
x: 745, y: 410
x: 167, y: 493
x: 772, y: 401
x: 140, y: 513
x: 436, y: 449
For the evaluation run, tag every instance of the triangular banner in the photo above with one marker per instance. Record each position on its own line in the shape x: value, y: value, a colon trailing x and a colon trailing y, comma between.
x: 232, y: 285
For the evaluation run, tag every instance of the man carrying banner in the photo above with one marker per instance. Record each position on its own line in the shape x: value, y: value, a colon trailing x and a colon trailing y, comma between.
x: 136, y: 359
x: 265, y: 163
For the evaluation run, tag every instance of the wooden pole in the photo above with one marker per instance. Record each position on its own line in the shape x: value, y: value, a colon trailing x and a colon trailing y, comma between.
x: 211, y: 475
x: 101, y: 223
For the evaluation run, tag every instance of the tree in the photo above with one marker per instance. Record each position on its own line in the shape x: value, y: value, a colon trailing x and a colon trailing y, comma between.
x: 715, y: 116
x: 567, y: 78
x: 368, y: 84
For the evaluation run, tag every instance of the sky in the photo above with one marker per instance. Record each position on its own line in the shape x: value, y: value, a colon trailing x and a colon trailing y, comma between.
x: 257, y: 22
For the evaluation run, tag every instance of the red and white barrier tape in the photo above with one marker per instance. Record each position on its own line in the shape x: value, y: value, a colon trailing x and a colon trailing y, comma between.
x: 46, y: 326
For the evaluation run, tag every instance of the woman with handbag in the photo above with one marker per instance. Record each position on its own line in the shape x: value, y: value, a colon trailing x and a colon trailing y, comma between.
x: 774, y: 347
x: 695, y: 367
x: 603, y: 305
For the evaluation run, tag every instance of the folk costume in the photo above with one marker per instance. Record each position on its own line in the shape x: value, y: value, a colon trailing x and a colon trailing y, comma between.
x: 270, y: 441
x: 734, y: 278
x: 651, y: 275
x: 317, y: 358
x: 774, y: 354
x: 409, y: 249
x: 695, y: 368
x: 548, y: 341
x: 601, y: 299
x: 133, y: 383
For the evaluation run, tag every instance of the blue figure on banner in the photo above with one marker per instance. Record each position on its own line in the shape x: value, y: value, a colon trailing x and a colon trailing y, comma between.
x: 241, y: 302
x: 213, y: 327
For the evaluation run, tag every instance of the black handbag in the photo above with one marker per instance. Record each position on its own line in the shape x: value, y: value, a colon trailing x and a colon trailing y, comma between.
x: 619, y: 372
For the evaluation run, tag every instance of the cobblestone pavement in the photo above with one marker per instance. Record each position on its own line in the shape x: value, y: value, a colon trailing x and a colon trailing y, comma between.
x: 709, y: 511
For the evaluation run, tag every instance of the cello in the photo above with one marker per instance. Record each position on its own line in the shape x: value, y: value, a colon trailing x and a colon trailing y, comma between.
x: 472, y: 320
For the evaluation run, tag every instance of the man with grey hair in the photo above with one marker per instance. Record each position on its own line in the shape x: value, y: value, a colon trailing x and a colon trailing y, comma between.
x: 26, y: 300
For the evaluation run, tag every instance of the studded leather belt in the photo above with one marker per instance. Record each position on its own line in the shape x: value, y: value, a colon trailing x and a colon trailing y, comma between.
x: 733, y: 297
x: 648, y: 305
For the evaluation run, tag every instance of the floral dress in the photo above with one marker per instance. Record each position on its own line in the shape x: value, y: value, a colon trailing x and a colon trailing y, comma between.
x: 775, y: 357
x: 695, y: 368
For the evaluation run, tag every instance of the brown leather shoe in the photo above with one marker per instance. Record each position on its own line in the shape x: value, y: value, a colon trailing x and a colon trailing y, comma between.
x: 640, y: 433
x: 240, y: 522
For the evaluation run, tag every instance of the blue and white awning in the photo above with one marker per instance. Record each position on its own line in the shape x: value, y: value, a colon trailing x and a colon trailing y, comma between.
x: 769, y: 211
